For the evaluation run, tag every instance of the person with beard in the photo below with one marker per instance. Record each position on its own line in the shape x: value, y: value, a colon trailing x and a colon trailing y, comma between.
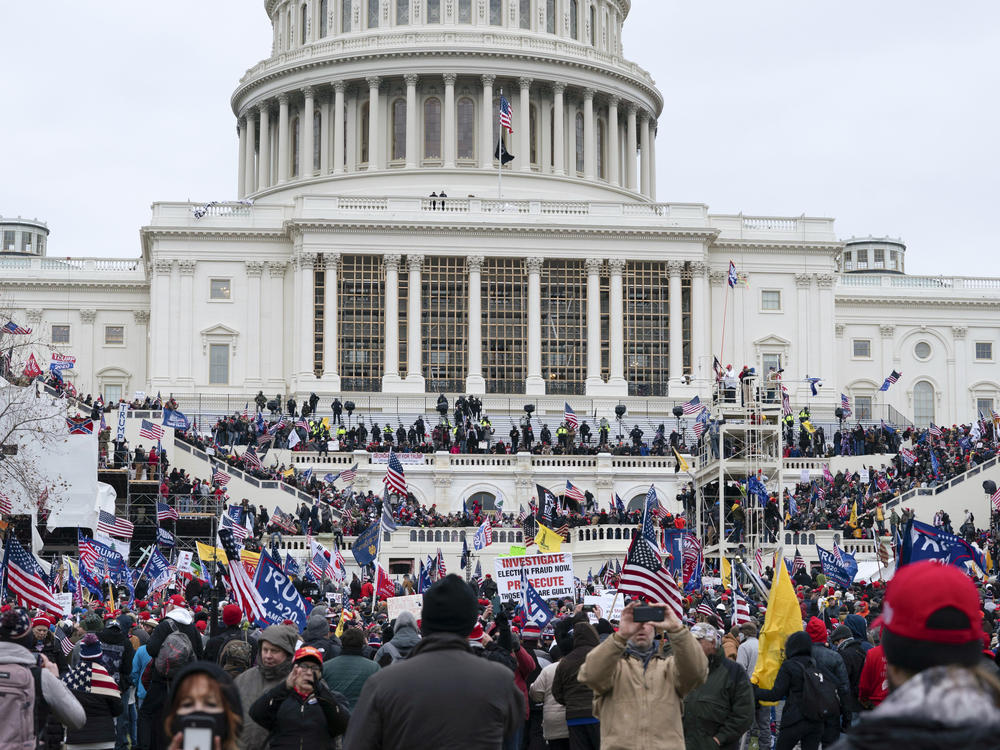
x: 274, y: 664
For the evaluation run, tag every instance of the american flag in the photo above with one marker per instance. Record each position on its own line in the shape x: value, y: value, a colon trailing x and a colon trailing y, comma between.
x: 935, y: 431
x: 570, y: 416
x: 741, y: 609
x: 995, y: 499
x: 786, y: 402
x: 246, y: 410
x: 237, y: 530
x: 842, y: 511
x: 5, y: 506
x: 251, y: 459
x: 528, y: 527
x: 701, y: 423
x: 653, y: 504
x: 643, y: 575
x: 705, y: 608
x: 12, y: 327
x: 574, y: 493
x: 303, y: 424
x: 758, y: 562
x: 798, y: 562
x: 347, y: 475
x: 907, y: 455
x: 563, y: 531
x: 837, y: 556
x: 164, y: 512
x: 88, y: 555
x: 276, y: 426
x: 263, y: 439
x: 845, y: 404
x: 220, y: 477
x: 283, y: 520
x: 150, y: 430
x: 91, y: 677
x: 441, y: 567
x: 25, y: 578
x: 64, y: 643
x: 734, y: 278
x: 890, y: 380
x: 827, y: 475
x: 318, y: 566
x: 693, y: 406
x: 111, y: 524
x: 394, y: 479
x: 244, y: 592
x: 505, y: 115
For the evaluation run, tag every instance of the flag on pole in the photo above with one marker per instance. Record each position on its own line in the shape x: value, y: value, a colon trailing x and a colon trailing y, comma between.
x: 574, y: 493
x: 220, y: 477
x: 570, y: 417
x: 845, y: 405
x: 244, y: 592
x: 548, y: 541
x: 506, y: 120
x: 890, y: 380
x: 251, y: 460
x: 110, y: 524
x: 643, y: 575
x: 26, y: 579
x: 701, y: 423
x: 14, y: 328
x: 734, y: 278
x: 783, y: 617
x: 394, y: 479
x: 798, y: 562
x: 150, y: 430
x: 693, y: 406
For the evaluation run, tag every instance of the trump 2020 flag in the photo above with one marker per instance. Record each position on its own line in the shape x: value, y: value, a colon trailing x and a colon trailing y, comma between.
x: 839, y: 566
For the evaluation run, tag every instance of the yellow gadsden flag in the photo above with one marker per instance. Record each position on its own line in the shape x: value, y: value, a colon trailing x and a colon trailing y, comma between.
x: 783, y: 618
x: 208, y: 553
x: 727, y: 571
x: 548, y: 540
x: 682, y: 465
x: 853, y: 520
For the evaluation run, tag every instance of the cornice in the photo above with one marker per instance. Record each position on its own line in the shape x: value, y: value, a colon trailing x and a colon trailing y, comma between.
x: 103, y: 285
x: 224, y: 234
x: 886, y: 301
x: 764, y: 246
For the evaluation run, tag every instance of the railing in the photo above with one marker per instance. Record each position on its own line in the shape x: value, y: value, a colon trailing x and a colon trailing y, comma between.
x: 944, y: 486
x: 898, y: 281
x: 105, y: 267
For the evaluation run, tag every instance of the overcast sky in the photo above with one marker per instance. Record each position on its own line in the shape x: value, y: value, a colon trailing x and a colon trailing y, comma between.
x: 881, y: 115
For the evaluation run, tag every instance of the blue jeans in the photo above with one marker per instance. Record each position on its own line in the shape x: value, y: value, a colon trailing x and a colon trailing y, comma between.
x: 125, y: 728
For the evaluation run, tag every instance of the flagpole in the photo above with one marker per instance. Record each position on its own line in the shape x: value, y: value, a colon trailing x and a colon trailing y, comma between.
x: 722, y: 345
x: 500, y: 158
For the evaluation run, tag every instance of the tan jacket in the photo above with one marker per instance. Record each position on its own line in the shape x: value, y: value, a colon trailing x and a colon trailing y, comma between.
x: 730, y: 646
x: 642, y: 708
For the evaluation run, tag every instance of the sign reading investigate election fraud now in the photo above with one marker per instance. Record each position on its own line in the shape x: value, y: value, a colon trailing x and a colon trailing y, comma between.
x: 550, y: 575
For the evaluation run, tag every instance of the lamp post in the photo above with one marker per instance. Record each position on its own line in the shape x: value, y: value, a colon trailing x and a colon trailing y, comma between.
x: 620, y: 410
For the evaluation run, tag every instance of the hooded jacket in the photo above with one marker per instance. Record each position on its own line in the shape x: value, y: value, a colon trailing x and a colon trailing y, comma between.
x: 859, y: 629
x: 788, y: 683
x: 57, y: 696
x: 404, y: 639
x: 255, y: 682
x: 317, y: 634
x: 722, y: 708
x: 566, y: 688
x: 553, y: 713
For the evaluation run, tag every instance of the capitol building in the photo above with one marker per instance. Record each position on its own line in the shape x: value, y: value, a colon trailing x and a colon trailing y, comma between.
x: 376, y: 249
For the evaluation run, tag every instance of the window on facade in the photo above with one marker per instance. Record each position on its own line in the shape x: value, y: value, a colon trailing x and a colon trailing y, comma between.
x: 646, y: 326
x: 879, y: 258
x: 923, y: 403
x: 533, y: 134
x: 862, y: 260
x: 296, y: 130
x: 579, y: 142
x: 219, y: 289
x: 552, y: 138
x: 770, y: 299
x: 8, y: 240
x: 894, y: 260
x: 433, y: 11
x: 218, y: 364
x: 26, y: 242
x: 317, y: 138
x: 862, y: 348
x: 564, y: 325
x: 593, y: 26
x: 445, y: 328
x: 862, y: 407
x: 112, y: 393
x: 600, y: 149
x: 465, y: 11
x: 324, y: 12
x: 770, y: 361
x: 848, y: 261
x: 303, y: 22
x: 399, y: 129
x: 360, y: 317
x: 432, y: 128
x: 288, y: 30
x: 373, y: 14
x: 984, y: 407
x: 550, y: 16
x: 524, y: 14
x: 114, y: 335
x: 364, y: 133
x: 345, y: 16
x: 60, y: 334
x: 402, y: 12
x: 922, y: 350
x: 466, y: 113
x: 984, y: 350
x: 496, y: 14
x: 505, y: 328
x: 574, y: 19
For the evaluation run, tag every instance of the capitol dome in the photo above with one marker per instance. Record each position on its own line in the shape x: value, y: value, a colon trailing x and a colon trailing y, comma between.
x: 401, y: 97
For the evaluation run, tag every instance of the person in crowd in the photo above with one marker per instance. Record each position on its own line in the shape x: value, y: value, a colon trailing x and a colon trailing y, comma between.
x: 274, y: 664
x: 405, y: 638
x: 395, y: 703
x: 833, y: 667
x: 98, y: 693
x: 853, y: 655
x: 203, y: 694
x: 746, y: 657
x: 555, y: 730
x: 573, y: 693
x: 232, y: 616
x: 317, y: 634
x: 630, y: 662
x: 795, y: 727
x: 347, y: 673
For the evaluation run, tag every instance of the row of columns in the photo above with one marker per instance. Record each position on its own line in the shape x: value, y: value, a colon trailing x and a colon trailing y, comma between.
x: 255, y: 125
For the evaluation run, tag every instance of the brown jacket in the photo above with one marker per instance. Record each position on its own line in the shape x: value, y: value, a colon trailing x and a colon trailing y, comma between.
x: 642, y: 707
x: 730, y: 646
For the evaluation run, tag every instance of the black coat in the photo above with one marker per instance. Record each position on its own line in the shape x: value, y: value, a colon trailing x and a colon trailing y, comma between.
x: 566, y: 688
x: 295, y: 722
x: 214, y: 646
x: 117, y: 655
x: 788, y: 683
x: 101, y: 711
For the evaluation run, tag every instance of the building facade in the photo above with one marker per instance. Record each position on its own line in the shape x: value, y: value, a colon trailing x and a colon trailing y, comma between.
x: 378, y: 248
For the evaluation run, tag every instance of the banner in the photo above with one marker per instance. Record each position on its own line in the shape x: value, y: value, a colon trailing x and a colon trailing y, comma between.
x: 176, y: 420
x: 122, y: 548
x: 611, y: 605
x: 396, y: 604
x: 277, y: 592
x: 184, y: 561
x: 57, y: 357
x: 839, y: 570
x: 122, y: 414
x: 922, y: 541
x: 66, y: 602
x: 157, y: 571
x: 208, y: 553
x: 550, y: 575
x: 674, y: 542
x: 366, y: 545
x: 404, y: 458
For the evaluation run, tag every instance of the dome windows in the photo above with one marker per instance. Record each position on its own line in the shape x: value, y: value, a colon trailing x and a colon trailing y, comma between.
x: 373, y: 14
x: 399, y: 129
x: 466, y: 115
x: 432, y: 128
x: 433, y: 11
x: 402, y: 12
x: 922, y: 351
x: 496, y: 17
x: 465, y: 11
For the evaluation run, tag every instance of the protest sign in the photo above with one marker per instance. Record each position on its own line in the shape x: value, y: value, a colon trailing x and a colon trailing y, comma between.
x: 397, y: 604
x: 550, y: 575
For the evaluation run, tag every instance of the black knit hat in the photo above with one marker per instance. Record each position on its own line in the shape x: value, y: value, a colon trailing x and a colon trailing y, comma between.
x: 450, y: 606
x: 14, y: 624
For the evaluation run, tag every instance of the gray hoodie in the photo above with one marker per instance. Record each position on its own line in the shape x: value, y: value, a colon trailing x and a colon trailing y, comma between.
x: 61, y: 702
x: 404, y: 638
x: 253, y: 683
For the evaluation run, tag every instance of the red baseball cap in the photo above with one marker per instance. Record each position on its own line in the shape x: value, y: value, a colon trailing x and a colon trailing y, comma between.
x: 924, y: 598
x: 309, y: 652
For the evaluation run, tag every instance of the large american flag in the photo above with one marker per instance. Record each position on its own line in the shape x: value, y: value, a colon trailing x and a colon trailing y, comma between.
x: 318, y: 566
x: 693, y: 406
x: 506, y: 121
x: 164, y: 512
x: 845, y: 404
x: 244, y: 593
x: 798, y: 562
x: 220, y: 477
x: 25, y: 578
x: 574, y: 493
x: 12, y: 327
x: 251, y: 459
x: 394, y: 478
x: 347, y: 475
x: 570, y: 417
x: 643, y: 575
x: 934, y: 430
x: 150, y: 430
x: 238, y: 531
x: 110, y: 524
x: 741, y: 609
x: 87, y: 553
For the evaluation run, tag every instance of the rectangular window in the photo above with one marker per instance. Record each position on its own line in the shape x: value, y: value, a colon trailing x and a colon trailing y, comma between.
x: 862, y: 260
x: 345, y: 16
x: 114, y: 335
x: 593, y: 26
x: 465, y: 11
x: 402, y: 12
x: 25, y: 242
x: 862, y: 349
x: 220, y: 289
x: 8, y: 239
x: 495, y: 13
x: 984, y: 351
x: 373, y: 14
x: 879, y: 258
x: 862, y: 407
x: 770, y: 300
x: 218, y: 364
x: 433, y: 11
x: 550, y: 16
x: 770, y: 362
x: 984, y: 407
x: 324, y: 11
x: 112, y: 394
x: 525, y: 14
x: 60, y: 334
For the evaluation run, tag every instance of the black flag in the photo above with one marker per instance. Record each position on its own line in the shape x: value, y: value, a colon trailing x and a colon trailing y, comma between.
x: 502, y: 153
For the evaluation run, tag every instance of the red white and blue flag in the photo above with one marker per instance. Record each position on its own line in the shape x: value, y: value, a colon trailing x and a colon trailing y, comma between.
x: 643, y: 575
x: 111, y: 524
x: 251, y: 459
x: 845, y: 404
x: 80, y: 425
x: 244, y: 592
x: 26, y: 579
x: 574, y: 493
x: 570, y: 417
x: 220, y: 477
x: 693, y: 406
x: 164, y: 512
x: 12, y: 327
x: 394, y: 479
x: 506, y: 121
x: 150, y: 430
x: 890, y: 380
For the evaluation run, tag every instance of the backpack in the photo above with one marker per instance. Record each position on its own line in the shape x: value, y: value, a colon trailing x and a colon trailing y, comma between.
x: 175, y: 652
x: 22, y: 706
x: 819, y: 694
x: 236, y: 656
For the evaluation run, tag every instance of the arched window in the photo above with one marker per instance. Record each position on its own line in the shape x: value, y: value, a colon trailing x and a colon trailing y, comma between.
x: 437, y: 536
x: 618, y: 533
x: 636, y: 503
x: 550, y: 16
x: 296, y: 140
x: 402, y: 12
x: 413, y: 536
x: 593, y: 26
x: 466, y: 113
x: 421, y: 536
x: 364, y: 133
x: 525, y: 14
x: 923, y: 403
x: 317, y: 138
x: 454, y: 536
x: 552, y: 137
x: 324, y: 21
x: 579, y: 141
x: 600, y: 149
x: 503, y: 537
x: 373, y: 14
x: 533, y: 133
x: 465, y: 11
x: 303, y: 22
x: 574, y: 19
x: 496, y: 15
x: 433, y: 11
x: 432, y: 128
x: 486, y: 500
x: 399, y: 129
x: 345, y: 16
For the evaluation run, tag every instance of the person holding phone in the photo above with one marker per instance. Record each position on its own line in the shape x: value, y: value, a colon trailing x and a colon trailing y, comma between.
x: 638, y: 689
x: 302, y: 711
x: 203, y: 709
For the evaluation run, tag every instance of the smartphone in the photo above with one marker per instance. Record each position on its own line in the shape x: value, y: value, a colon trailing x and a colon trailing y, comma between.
x: 197, y: 738
x: 588, y: 607
x: 649, y: 614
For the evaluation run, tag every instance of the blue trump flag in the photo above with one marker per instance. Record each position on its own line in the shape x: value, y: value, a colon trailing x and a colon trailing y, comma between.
x: 366, y: 545
x: 176, y: 420
x: 674, y: 543
x: 838, y: 566
x: 921, y: 541
x: 157, y: 571
x: 291, y: 567
x: 278, y: 595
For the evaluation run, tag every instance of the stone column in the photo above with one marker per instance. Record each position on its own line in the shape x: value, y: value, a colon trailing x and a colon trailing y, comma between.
x: 274, y: 347
x: 253, y: 376
x: 644, y: 156
x: 325, y: 105
x: 613, y: 149
x: 374, y: 141
x: 391, y: 374
x: 700, y: 367
x: 250, y: 168
x: 414, y: 337
x: 474, y: 380
x: 338, y: 126
x: 593, y: 266
x: 630, y: 146
x: 676, y: 343
x: 141, y: 318
x: 559, y: 126
x: 652, y: 161
x: 487, y: 145
x: 525, y: 124
x: 589, y: 148
x: 241, y: 180
x: 411, y: 120
x: 450, y: 137
x: 352, y: 152
x: 825, y: 333
x: 307, y: 315
x: 962, y: 400
x: 87, y: 317
x: 331, y: 331
x: 264, y: 160
x: 283, y: 170
x: 534, y: 384
x: 616, y: 327
x: 185, y: 371
x: 306, y: 147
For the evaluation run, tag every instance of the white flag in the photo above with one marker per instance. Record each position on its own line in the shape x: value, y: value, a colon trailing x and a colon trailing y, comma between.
x: 184, y: 562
